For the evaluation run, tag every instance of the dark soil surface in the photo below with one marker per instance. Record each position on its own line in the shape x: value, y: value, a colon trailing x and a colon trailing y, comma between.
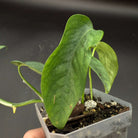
x: 81, y: 118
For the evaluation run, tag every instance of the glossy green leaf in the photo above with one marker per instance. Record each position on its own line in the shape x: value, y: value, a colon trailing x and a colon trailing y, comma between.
x: 33, y: 65
x: 65, y: 71
x: 101, y: 72
x: 108, y: 58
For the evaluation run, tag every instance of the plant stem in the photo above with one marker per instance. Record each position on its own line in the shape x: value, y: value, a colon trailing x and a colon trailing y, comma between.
x: 29, y: 85
x: 93, y: 52
x: 90, y: 84
x: 82, y: 98
x: 90, y: 76
x: 15, y: 105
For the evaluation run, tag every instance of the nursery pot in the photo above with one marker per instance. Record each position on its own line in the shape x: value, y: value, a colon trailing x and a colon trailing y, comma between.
x: 112, y: 127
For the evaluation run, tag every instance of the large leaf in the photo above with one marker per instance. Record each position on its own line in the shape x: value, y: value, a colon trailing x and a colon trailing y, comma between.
x: 108, y: 58
x: 101, y: 72
x: 33, y: 65
x: 65, y: 71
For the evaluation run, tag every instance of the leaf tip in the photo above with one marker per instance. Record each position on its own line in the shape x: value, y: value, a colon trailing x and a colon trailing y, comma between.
x: 2, y: 46
x: 16, y: 62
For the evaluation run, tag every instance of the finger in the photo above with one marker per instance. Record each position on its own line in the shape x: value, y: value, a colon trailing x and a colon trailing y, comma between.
x: 35, y: 133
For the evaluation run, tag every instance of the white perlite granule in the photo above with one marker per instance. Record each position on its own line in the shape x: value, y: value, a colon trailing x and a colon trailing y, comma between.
x: 90, y: 104
x: 113, y: 103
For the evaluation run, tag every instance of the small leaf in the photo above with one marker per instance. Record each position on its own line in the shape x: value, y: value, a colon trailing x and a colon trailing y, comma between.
x: 101, y: 72
x: 65, y: 71
x: 108, y: 58
x: 17, y: 62
x: 33, y: 65
x: 1, y: 47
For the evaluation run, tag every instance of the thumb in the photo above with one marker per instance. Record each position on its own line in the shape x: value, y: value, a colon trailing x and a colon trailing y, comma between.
x: 35, y: 133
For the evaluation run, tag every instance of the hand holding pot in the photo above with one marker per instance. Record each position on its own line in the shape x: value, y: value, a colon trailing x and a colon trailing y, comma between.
x: 35, y: 133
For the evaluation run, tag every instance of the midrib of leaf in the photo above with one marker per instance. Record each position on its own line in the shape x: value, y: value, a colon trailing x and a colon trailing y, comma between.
x: 71, y: 56
x: 69, y: 71
x: 74, y: 54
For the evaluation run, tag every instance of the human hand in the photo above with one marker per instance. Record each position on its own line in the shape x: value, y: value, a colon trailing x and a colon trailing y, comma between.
x: 35, y: 133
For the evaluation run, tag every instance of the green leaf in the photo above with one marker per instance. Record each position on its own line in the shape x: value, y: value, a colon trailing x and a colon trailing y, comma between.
x: 1, y: 47
x: 108, y: 58
x: 101, y: 72
x: 33, y: 65
x: 65, y: 71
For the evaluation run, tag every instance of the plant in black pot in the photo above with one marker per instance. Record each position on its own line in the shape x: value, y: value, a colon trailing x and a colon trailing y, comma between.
x: 66, y: 108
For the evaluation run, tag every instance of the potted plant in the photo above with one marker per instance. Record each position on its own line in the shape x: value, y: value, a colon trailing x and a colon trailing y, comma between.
x: 63, y: 93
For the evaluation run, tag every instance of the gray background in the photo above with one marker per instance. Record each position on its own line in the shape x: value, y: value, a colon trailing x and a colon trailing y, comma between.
x: 31, y: 31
